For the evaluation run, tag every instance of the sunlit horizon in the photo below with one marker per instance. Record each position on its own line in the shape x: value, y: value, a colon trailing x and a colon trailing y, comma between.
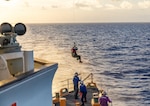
x: 74, y: 11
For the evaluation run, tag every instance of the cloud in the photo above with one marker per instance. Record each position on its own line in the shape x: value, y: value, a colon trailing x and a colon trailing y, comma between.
x: 26, y: 4
x: 116, y: 0
x: 144, y: 4
x: 62, y: 4
x: 126, y: 5
x: 88, y: 4
x: 111, y: 7
x: 54, y: 6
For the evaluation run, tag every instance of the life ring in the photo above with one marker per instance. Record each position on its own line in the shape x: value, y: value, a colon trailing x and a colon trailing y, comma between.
x: 5, y: 42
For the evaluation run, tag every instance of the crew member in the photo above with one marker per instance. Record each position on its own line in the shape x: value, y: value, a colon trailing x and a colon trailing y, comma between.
x: 75, y: 82
x: 83, y: 92
x: 104, y: 99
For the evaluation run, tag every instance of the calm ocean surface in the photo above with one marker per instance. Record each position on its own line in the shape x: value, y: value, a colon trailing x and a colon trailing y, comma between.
x: 117, y: 53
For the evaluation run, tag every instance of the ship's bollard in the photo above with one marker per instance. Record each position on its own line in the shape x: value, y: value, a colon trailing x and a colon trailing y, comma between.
x: 95, y: 97
x: 94, y: 101
x: 57, y: 95
x: 62, y: 101
x: 94, y: 104
x: 56, y: 99
x: 77, y: 104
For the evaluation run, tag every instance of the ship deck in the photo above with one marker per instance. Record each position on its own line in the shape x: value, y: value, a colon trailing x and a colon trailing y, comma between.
x: 71, y: 101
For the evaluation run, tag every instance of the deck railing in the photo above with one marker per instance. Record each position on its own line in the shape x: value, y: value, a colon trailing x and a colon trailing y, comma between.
x: 68, y: 83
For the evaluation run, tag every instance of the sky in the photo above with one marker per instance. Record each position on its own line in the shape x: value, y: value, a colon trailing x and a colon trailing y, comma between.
x: 74, y: 11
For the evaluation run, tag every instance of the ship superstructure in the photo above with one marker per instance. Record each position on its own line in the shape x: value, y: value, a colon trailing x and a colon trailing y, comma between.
x: 23, y: 81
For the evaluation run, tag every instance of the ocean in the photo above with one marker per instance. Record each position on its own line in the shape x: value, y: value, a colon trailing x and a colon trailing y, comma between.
x: 118, y: 54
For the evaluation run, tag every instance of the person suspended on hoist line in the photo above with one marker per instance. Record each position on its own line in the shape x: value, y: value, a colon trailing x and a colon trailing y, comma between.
x: 74, y: 53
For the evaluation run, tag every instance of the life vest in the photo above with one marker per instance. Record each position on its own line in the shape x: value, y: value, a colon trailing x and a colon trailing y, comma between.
x: 73, y: 51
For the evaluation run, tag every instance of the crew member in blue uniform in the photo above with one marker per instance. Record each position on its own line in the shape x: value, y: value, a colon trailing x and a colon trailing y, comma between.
x: 75, y: 82
x: 83, y: 92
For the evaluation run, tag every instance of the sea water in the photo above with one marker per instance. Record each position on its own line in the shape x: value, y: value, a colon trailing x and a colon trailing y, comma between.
x: 118, y: 54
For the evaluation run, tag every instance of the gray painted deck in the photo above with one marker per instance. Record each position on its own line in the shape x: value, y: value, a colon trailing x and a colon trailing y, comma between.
x: 71, y: 101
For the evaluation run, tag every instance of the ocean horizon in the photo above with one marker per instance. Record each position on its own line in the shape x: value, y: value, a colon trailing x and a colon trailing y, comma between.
x: 118, y: 54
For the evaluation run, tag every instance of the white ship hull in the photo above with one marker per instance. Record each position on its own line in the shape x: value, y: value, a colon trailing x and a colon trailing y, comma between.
x: 34, y: 89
